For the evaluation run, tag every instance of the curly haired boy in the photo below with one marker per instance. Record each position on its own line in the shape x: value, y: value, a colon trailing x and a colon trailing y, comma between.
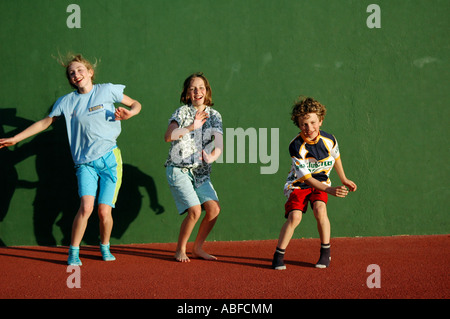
x: 314, y: 153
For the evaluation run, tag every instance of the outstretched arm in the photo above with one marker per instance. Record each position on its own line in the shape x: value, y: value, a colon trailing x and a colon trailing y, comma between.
x: 33, y: 129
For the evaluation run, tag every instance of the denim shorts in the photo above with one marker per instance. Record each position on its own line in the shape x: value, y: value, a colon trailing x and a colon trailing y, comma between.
x: 101, y: 177
x: 181, y: 182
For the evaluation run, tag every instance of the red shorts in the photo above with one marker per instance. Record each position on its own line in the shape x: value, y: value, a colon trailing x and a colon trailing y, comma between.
x: 299, y: 198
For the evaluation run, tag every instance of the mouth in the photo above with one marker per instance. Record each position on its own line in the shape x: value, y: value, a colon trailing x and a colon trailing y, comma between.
x: 309, y: 134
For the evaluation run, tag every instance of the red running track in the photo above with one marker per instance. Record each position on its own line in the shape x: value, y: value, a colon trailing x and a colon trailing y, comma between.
x: 411, y: 267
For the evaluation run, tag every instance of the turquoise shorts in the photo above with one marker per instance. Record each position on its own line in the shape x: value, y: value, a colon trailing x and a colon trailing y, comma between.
x: 186, y: 195
x: 101, y: 178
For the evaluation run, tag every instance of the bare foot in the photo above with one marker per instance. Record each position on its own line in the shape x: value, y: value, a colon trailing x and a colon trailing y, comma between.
x: 200, y: 253
x: 181, y: 257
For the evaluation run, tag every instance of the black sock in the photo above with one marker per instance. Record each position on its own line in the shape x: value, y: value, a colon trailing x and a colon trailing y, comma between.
x: 278, y: 257
x: 324, y: 260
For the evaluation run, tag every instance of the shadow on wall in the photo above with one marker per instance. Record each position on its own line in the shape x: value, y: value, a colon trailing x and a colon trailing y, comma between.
x: 56, y: 198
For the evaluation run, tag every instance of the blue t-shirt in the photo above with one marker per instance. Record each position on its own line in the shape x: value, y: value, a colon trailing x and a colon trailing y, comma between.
x: 91, y: 125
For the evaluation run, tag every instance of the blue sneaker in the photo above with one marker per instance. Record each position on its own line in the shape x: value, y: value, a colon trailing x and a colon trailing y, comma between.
x: 74, y: 258
x: 106, y: 254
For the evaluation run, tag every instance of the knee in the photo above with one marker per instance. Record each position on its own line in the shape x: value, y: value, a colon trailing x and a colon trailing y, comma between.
x: 85, y: 210
x: 104, y: 212
x: 194, y: 213
x: 295, y: 217
x: 320, y: 211
x: 213, y: 211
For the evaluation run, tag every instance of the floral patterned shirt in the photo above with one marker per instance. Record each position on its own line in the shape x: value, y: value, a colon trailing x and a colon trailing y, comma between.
x: 186, y: 151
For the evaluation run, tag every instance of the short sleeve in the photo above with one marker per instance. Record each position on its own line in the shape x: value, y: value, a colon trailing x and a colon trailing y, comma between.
x: 117, y: 92
x: 216, y: 122
x: 176, y: 117
x: 335, y: 150
x: 56, y: 110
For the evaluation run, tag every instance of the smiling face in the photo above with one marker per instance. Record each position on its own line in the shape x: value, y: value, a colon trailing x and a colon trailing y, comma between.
x: 80, y: 76
x: 310, y: 125
x: 308, y: 114
x: 197, y: 92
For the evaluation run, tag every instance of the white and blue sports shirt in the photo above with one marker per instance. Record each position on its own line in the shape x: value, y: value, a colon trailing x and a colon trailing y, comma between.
x: 311, y: 159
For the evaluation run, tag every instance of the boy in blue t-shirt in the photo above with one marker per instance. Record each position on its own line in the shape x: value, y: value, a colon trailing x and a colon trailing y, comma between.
x: 314, y: 153
x: 93, y: 125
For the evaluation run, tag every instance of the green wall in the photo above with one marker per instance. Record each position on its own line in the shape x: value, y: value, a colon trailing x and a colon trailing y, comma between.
x: 385, y: 90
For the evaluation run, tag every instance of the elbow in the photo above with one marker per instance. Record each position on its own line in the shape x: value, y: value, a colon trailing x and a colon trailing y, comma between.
x: 308, y: 179
x: 167, y: 138
x: 136, y: 107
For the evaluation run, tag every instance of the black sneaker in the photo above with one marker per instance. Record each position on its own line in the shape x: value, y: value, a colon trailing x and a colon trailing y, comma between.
x: 278, y: 262
x: 325, y: 258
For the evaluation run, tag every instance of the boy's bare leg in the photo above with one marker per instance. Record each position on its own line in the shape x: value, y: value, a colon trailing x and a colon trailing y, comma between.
x: 287, y: 231
x: 193, y: 214
x: 323, y: 223
x: 212, y: 209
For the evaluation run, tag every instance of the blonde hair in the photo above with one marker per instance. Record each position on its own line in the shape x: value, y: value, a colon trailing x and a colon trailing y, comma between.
x: 71, y: 58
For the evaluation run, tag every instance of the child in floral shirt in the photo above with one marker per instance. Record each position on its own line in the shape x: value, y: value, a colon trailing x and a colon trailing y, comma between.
x: 196, y: 136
